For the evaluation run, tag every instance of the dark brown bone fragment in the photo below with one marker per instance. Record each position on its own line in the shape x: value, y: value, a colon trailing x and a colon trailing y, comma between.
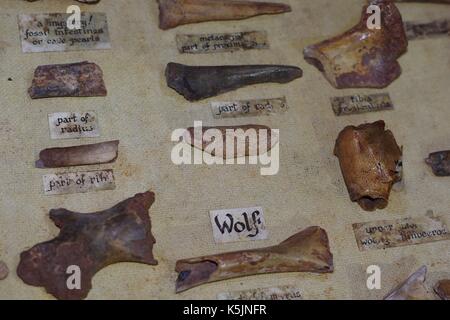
x: 83, y: 79
x: 173, y: 13
x: 197, y: 83
x: 440, y: 163
x: 371, y: 163
x: 363, y: 58
x: 442, y: 288
x: 263, y: 138
x: 306, y: 251
x: 413, y: 288
x: 82, y: 1
x: 91, y: 242
x: 4, y: 271
x: 105, y: 152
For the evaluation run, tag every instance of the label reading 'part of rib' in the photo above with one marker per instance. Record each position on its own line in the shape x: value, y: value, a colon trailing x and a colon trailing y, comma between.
x: 78, y: 182
x: 280, y: 293
x: 402, y: 232
x: 234, y: 109
x: 46, y: 32
x: 222, y: 42
x: 233, y: 225
x: 423, y: 30
x: 361, y: 103
x: 71, y: 125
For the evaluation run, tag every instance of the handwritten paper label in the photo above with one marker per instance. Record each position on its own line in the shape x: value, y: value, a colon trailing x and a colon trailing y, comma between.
x: 279, y: 293
x: 423, y: 30
x: 222, y: 42
x: 234, y: 225
x: 234, y: 109
x: 70, y: 125
x: 361, y: 104
x: 78, y: 182
x: 402, y: 232
x: 48, y: 32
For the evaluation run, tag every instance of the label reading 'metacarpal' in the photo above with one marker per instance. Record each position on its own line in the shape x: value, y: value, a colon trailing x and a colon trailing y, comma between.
x: 78, y: 182
x: 361, y: 103
x: 44, y: 32
x: 279, y: 293
x: 243, y: 108
x: 222, y: 42
x: 423, y: 30
x: 232, y: 225
x: 403, y: 232
x: 71, y: 125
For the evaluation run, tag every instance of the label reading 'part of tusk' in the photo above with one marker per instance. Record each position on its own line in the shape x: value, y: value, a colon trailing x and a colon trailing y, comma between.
x: 244, y: 108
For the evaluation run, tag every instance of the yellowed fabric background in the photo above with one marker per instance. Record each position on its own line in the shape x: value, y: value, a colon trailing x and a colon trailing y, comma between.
x: 142, y: 112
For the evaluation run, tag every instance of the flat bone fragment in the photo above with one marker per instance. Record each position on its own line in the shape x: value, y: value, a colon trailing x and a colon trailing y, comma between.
x: 363, y: 57
x: 197, y: 83
x: 255, y: 140
x: 4, y: 271
x: 371, y: 163
x: 83, y: 79
x: 306, y: 251
x: 440, y: 163
x: 173, y: 13
x: 91, y: 242
x: 442, y: 289
x: 99, y: 153
x: 413, y: 288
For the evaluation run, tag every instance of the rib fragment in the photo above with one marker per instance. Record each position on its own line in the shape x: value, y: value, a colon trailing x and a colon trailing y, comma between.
x: 306, y: 251
x: 363, y: 57
x: 249, y: 140
x: 371, y: 163
x: 99, y: 153
x: 440, y: 163
x: 90, y: 242
x: 173, y: 13
x: 442, y: 289
x: 197, y: 83
x: 83, y: 79
x: 4, y: 271
x: 413, y: 288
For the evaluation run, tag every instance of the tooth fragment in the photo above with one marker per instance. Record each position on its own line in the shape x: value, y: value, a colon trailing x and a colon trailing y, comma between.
x: 440, y: 163
x: 413, y: 288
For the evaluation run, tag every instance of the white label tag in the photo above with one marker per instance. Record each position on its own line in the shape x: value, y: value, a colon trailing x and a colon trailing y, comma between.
x: 78, y: 182
x: 70, y: 125
x: 244, y: 108
x: 279, y: 293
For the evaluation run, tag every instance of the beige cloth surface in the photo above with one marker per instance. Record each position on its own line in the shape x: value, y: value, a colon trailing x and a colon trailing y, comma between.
x: 142, y: 112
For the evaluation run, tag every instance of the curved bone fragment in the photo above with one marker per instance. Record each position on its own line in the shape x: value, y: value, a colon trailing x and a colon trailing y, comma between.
x: 413, y: 288
x: 363, y: 57
x: 197, y: 83
x: 4, y: 271
x: 371, y: 163
x: 440, y: 163
x: 99, y: 153
x: 90, y: 242
x: 442, y: 289
x: 173, y: 13
x: 249, y: 140
x: 306, y: 251
x: 82, y: 79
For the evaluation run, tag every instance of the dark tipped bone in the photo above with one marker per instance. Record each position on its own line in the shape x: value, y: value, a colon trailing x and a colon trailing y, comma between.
x: 196, y: 83
x: 440, y: 163
x: 442, y: 289
x: 90, y: 242
x: 306, y: 251
x: 173, y: 13
x: 413, y: 288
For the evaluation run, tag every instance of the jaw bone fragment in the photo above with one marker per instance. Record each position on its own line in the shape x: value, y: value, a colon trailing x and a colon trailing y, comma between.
x: 413, y: 288
x: 440, y: 163
x: 173, y: 13
x: 363, y: 57
x: 197, y: 83
x: 90, y: 242
x: 371, y: 163
x: 306, y: 251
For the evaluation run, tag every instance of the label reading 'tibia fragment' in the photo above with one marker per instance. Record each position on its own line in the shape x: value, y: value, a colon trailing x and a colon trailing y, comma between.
x: 361, y: 103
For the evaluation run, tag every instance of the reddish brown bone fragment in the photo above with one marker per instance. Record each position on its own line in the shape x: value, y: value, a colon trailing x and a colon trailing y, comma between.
x: 442, y: 288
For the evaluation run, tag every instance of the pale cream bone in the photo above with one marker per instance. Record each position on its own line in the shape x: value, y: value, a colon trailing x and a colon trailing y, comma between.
x: 414, y: 288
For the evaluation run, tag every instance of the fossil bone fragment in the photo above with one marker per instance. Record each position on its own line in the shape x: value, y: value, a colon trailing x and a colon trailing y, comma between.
x: 173, y: 13
x: 83, y: 79
x: 4, y: 271
x: 90, y: 242
x: 442, y: 289
x: 440, y: 163
x: 197, y: 83
x: 306, y: 251
x: 105, y: 152
x: 250, y: 140
x: 413, y: 288
x: 363, y: 57
x: 371, y: 163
